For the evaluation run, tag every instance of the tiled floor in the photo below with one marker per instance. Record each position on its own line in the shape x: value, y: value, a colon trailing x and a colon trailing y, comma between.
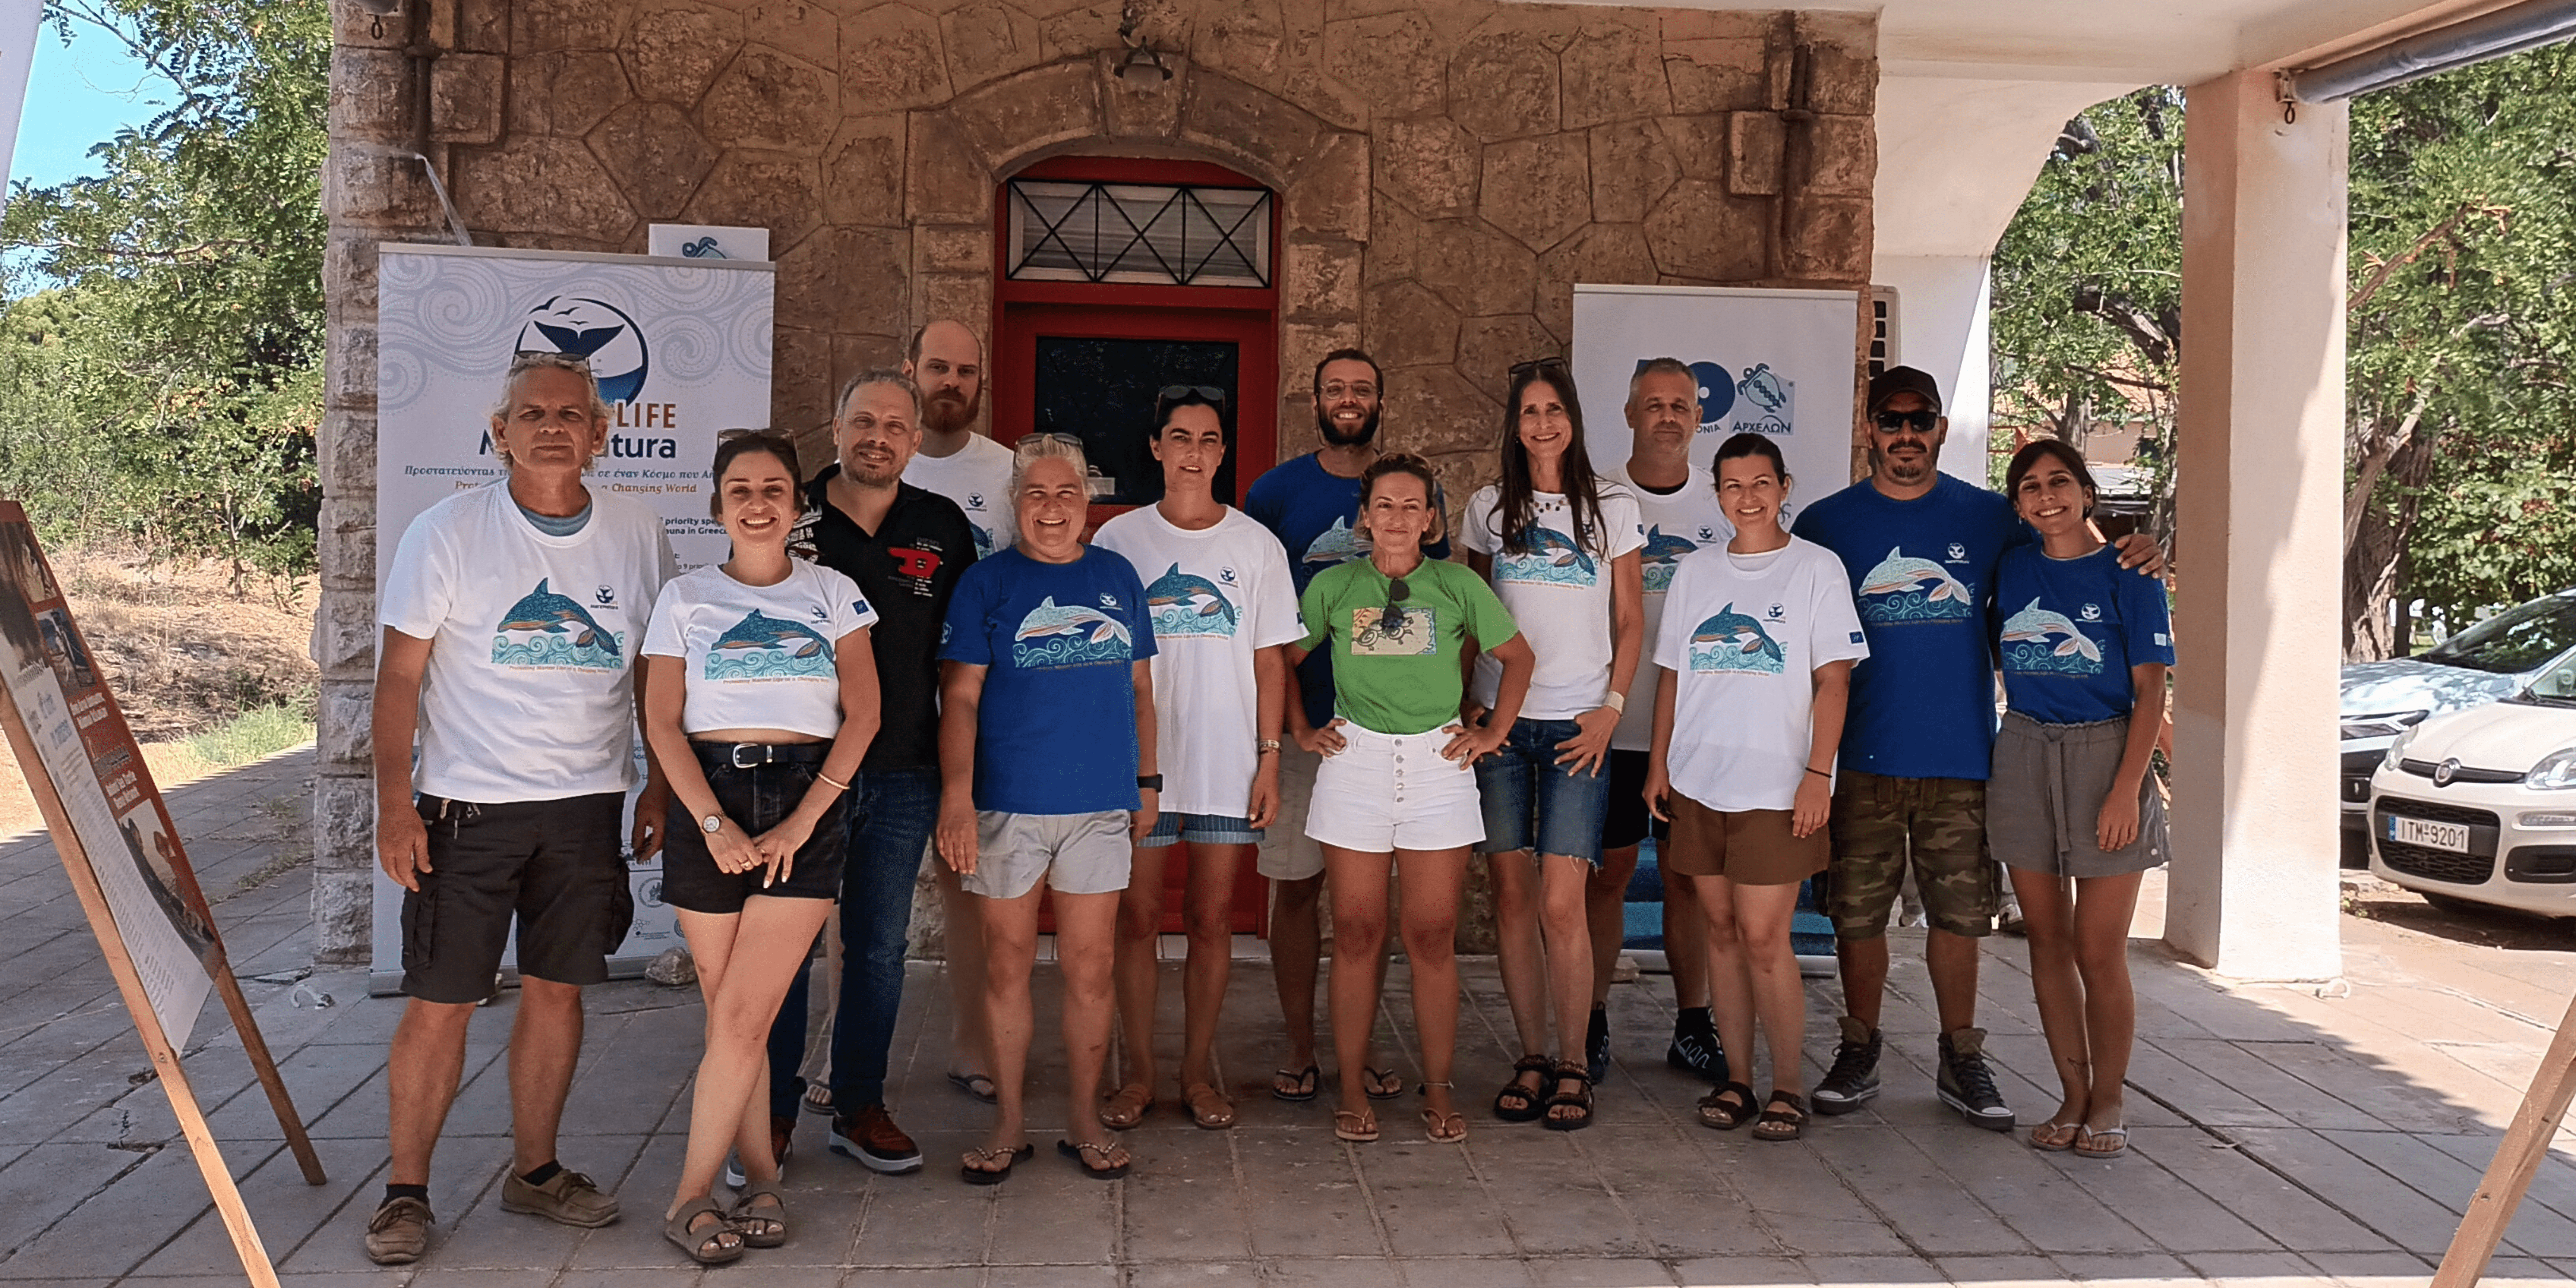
x: 2282, y: 1137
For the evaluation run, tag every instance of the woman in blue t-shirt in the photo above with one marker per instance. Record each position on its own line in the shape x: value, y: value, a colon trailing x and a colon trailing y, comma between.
x: 2069, y: 811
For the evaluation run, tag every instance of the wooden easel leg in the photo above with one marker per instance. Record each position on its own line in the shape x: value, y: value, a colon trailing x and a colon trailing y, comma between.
x: 210, y: 1163
x: 265, y: 1065
x: 2517, y: 1160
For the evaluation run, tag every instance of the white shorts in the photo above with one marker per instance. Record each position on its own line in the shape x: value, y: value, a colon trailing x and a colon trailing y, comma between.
x: 1288, y: 854
x: 1385, y: 792
x: 1076, y: 853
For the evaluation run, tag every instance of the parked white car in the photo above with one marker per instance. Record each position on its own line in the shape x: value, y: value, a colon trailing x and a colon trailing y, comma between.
x: 2481, y: 804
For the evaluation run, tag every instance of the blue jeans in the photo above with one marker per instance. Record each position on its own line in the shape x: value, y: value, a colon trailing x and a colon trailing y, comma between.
x: 1532, y: 803
x: 891, y: 813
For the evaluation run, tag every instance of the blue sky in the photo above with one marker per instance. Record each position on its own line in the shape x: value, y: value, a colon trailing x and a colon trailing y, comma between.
x: 77, y: 96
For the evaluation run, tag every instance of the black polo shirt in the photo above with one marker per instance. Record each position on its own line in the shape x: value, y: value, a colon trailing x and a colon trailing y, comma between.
x: 907, y: 569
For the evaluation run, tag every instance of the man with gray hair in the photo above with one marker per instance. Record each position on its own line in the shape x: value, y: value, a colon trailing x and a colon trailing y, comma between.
x: 905, y: 546
x: 526, y: 595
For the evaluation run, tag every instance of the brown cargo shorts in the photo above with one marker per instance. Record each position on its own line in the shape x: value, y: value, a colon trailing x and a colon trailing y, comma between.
x: 1939, y: 825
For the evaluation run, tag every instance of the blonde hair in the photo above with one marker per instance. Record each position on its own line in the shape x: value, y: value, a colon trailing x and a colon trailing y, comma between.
x: 1406, y: 463
x: 1046, y: 447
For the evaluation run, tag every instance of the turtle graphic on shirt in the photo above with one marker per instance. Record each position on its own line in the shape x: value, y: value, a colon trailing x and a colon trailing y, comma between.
x: 1184, y: 603
x: 1663, y: 553
x: 1732, y: 641
x: 1903, y: 589
x: 762, y: 647
x: 1553, y: 559
x: 550, y: 630
x: 2027, y: 647
x: 1053, y: 635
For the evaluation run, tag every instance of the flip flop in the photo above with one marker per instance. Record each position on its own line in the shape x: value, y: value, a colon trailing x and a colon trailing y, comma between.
x: 1127, y: 1106
x: 2047, y: 1136
x: 1083, y: 1153
x: 2085, y: 1136
x: 993, y: 1176
x: 1362, y: 1128
x: 1309, y: 1079
x: 969, y: 1083
x: 1375, y: 1082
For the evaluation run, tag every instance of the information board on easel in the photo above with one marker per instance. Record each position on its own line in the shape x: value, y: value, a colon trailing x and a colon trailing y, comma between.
x: 125, y: 860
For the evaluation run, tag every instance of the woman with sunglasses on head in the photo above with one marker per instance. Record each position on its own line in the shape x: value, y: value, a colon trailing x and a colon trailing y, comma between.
x: 1218, y: 590
x: 1756, y: 646
x: 1562, y: 548
x: 2069, y: 812
x: 1395, y: 783
x: 760, y: 699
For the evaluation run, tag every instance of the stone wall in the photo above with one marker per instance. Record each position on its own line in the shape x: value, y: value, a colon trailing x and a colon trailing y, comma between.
x: 1446, y: 170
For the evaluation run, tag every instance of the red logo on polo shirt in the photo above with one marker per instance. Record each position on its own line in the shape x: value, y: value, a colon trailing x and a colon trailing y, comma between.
x: 914, y: 562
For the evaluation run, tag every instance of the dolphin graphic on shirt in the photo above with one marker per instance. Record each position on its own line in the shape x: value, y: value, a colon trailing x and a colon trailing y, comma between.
x: 1334, y: 545
x: 1897, y: 574
x: 543, y: 610
x: 1559, y: 550
x: 1739, y: 634
x: 1179, y: 590
x: 759, y: 631
x: 1663, y: 552
x: 2038, y: 625
x: 1050, y: 618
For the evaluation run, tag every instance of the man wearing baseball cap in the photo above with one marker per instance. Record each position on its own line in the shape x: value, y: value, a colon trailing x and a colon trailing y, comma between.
x: 1921, y: 548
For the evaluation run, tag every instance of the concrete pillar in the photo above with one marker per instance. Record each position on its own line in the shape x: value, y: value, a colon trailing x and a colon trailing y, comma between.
x: 2258, y: 540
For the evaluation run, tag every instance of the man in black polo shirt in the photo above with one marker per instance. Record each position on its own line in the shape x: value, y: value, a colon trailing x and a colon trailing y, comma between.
x: 905, y: 547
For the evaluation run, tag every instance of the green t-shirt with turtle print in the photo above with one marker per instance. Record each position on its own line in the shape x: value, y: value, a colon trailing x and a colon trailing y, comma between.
x: 1401, y: 676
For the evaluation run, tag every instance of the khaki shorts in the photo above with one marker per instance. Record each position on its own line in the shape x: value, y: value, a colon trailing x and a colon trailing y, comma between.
x: 1937, y: 824
x: 1075, y: 853
x: 1287, y: 853
x: 1748, y: 847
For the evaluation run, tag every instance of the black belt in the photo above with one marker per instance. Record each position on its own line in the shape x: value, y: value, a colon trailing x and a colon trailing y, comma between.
x: 752, y: 755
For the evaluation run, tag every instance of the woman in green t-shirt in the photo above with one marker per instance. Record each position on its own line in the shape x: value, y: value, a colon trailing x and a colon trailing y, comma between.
x: 1397, y: 787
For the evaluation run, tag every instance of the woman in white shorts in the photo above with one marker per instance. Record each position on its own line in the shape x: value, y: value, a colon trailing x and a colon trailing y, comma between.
x: 1397, y: 781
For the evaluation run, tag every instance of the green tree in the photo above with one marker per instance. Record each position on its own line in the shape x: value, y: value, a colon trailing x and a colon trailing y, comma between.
x: 163, y: 352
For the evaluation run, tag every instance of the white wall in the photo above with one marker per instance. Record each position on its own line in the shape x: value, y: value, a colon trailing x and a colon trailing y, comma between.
x: 1941, y: 328
x: 18, y: 29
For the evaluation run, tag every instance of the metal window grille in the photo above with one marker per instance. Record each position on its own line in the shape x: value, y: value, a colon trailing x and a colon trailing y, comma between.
x: 1882, y: 329
x: 1152, y: 234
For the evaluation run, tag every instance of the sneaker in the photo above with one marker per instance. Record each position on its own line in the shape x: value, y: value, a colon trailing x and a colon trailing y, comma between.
x: 1967, y: 1082
x: 1696, y: 1050
x: 1853, y: 1081
x: 782, y: 1142
x: 399, y: 1232
x: 1596, y: 1045
x: 567, y: 1198
x: 871, y: 1137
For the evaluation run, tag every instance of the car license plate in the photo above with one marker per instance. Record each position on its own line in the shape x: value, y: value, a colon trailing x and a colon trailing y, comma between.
x: 2440, y: 836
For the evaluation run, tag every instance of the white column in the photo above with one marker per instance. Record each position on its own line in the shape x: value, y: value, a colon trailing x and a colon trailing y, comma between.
x: 1941, y: 327
x: 2258, y: 539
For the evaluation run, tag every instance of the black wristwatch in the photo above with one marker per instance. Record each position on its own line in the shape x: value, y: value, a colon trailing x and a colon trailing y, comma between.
x: 1149, y: 782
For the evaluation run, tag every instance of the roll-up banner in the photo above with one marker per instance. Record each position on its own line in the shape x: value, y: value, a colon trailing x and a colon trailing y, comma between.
x: 682, y: 350
x: 1780, y: 363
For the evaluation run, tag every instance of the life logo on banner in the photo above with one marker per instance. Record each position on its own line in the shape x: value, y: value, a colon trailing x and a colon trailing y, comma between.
x: 1760, y: 401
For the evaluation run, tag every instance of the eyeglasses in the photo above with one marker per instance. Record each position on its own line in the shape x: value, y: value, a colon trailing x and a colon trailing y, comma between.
x: 1920, y: 420
x: 1335, y: 390
x: 1534, y: 366
x: 1174, y: 393
x: 1390, y: 619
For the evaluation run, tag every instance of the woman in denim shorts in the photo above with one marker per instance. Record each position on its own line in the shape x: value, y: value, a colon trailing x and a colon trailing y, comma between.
x: 760, y: 699
x: 1562, y: 549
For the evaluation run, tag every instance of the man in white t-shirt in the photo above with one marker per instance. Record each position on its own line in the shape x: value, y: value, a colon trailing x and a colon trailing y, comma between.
x: 1678, y: 502
x: 512, y: 618
x: 947, y: 362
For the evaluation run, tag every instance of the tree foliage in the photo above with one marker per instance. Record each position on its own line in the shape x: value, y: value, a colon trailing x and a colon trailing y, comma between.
x: 161, y: 356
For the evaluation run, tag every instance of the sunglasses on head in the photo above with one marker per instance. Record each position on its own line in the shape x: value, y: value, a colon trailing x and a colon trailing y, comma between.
x: 1174, y: 393
x: 1534, y: 366
x: 766, y: 435
x: 1919, y: 420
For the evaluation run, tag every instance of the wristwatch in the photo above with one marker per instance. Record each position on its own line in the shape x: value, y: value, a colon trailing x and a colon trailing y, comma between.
x: 712, y: 824
x: 1149, y: 782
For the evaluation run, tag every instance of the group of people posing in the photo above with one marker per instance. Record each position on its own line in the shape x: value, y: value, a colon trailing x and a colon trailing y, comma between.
x: 916, y: 648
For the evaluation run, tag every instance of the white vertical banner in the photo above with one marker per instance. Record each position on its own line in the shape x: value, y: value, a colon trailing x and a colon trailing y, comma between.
x: 682, y: 350
x: 1776, y: 362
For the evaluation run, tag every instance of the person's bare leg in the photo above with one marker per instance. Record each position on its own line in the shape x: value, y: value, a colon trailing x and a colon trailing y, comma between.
x: 1521, y: 959
x: 2103, y: 909
x: 1432, y: 881
x: 1086, y: 949
x: 1605, y: 907
x: 1685, y: 943
x: 1730, y: 977
x: 2048, y: 917
x: 1359, y: 954
x: 970, y: 1034
x: 1209, y: 920
x: 1140, y: 928
x: 421, y: 1076
x: 1568, y: 932
x: 1863, y: 965
x: 1952, y: 961
x: 1296, y: 959
x: 1762, y: 916
x: 545, y: 1043
x: 1010, y: 936
x: 745, y: 963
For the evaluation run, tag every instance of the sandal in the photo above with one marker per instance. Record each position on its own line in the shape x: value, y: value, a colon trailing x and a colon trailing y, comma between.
x: 1381, y: 1084
x: 1208, y: 1106
x: 1356, y: 1125
x: 1784, y: 1116
x: 2118, y: 1136
x: 1580, y: 1098
x: 1009, y: 1158
x: 978, y: 1085
x: 1516, y: 1103
x: 1127, y: 1107
x: 712, y: 1245
x: 760, y: 1227
x: 1443, y: 1128
x: 1723, y: 1114
x: 1083, y: 1153
x: 2055, y: 1137
x: 818, y: 1099
x: 1296, y: 1087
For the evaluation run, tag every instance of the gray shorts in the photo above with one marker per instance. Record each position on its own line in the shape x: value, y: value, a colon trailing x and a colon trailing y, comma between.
x: 1287, y: 853
x: 1076, y: 853
x: 2046, y: 794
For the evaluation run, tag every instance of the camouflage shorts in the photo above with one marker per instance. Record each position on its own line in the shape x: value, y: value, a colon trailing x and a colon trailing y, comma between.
x: 1941, y: 822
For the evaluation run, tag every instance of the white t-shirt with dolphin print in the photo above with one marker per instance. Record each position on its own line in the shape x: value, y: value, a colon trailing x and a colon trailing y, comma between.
x: 759, y: 657
x: 1742, y: 637
x: 1677, y: 523
x: 1559, y: 593
x: 528, y: 693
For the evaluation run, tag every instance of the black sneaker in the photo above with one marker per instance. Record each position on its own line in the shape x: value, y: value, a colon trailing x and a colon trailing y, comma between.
x: 1596, y: 1045
x: 1853, y: 1081
x: 1696, y: 1050
x: 1967, y: 1082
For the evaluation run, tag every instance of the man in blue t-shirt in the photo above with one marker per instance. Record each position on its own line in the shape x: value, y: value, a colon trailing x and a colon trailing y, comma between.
x: 1312, y: 504
x: 1918, y: 742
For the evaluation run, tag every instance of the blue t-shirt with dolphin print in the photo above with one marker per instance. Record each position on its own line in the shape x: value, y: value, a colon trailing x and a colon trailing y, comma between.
x: 1923, y: 577
x: 1315, y: 514
x: 1056, y: 729
x: 2072, y: 628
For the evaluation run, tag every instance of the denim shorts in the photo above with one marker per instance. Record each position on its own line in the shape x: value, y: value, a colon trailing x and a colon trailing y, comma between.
x: 1199, y: 829
x: 757, y: 798
x: 1532, y: 803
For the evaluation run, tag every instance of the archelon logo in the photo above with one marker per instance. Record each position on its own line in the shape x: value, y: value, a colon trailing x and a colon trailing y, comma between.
x: 1185, y: 603
x: 762, y: 647
x: 549, y: 630
x: 592, y: 329
x: 1770, y: 399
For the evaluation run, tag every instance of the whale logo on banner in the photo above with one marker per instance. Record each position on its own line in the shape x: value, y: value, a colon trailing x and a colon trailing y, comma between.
x: 596, y: 330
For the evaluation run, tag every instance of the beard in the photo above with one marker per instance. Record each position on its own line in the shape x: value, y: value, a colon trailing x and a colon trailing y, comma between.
x: 872, y: 474
x: 1910, y: 470
x: 1334, y: 437
x: 944, y: 412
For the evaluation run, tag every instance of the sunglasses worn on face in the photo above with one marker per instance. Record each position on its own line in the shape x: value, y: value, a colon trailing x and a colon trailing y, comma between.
x: 1920, y: 421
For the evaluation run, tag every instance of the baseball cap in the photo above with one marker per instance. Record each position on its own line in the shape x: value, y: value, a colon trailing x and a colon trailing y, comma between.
x: 1903, y: 380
